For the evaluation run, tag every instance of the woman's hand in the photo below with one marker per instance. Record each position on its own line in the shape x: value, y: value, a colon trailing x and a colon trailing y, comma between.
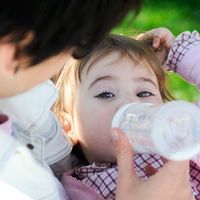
x: 162, y: 40
x: 169, y: 183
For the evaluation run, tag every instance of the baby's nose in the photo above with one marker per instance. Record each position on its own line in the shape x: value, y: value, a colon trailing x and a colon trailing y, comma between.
x: 131, y: 99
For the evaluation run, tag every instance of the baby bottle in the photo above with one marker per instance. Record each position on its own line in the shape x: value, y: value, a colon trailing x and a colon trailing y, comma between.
x: 171, y: 130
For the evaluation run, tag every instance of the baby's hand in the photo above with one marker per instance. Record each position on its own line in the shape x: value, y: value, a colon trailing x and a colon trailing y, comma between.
x: 162, y: 40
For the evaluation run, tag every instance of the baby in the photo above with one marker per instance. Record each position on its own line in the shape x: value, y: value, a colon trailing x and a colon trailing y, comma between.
x: 120, y: 70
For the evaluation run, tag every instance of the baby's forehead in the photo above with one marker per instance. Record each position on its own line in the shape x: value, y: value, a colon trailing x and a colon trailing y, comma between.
x: 101, y: 59
x: 118, y: 68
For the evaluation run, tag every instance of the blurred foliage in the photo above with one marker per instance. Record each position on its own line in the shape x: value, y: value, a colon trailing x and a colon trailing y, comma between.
x: 178, y: 16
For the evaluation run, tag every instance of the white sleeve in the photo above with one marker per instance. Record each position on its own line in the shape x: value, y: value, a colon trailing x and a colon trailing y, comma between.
x: 35, y: 125
x: 26, y: 177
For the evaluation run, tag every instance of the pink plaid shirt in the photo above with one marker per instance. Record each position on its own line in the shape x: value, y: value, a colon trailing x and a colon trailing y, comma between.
x: 102, y: 178
x: 183, y: 58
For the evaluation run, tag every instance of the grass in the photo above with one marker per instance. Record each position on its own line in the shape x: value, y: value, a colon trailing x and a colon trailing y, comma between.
x: 176, y: 15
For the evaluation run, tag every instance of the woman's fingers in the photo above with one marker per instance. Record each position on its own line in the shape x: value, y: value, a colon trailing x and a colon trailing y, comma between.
x: 124, y: 153
x: 178, y: 169
x: 126, y: 172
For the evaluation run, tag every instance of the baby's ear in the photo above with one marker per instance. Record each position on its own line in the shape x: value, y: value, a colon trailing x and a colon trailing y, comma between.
x: 65, y: 120
x: 66, y: 123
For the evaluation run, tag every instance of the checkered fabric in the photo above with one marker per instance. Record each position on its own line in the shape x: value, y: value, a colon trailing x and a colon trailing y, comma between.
x: 180, y: 46
x: 102, y: 177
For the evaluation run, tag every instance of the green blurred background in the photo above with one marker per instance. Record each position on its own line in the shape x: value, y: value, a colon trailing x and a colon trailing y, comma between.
x: 178, y: 16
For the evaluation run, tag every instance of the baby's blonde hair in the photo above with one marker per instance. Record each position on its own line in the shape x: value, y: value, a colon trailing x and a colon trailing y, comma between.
x: 136, y: 50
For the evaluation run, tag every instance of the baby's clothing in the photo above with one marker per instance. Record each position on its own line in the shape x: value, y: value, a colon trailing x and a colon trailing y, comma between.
x: 78, y: 190
x: 184, y: 58
x: 102, y: 177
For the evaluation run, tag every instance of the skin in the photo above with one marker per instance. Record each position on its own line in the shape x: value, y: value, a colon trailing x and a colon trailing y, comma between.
x: 110, y: 83
x: 171, y: 182
x: 162, y: 39
x: 26, y: 77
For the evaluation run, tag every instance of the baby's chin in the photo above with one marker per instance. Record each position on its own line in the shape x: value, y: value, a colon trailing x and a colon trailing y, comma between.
x: 103, y: 160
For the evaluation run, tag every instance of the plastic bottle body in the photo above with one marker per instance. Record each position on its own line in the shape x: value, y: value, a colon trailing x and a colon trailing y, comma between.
x: 171, y: 130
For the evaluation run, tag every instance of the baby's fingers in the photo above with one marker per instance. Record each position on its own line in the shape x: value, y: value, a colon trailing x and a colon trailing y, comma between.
x: 156, y: 42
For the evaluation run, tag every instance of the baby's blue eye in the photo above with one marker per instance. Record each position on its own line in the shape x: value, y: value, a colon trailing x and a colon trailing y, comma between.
x: 105, y: 95
x: 144, y: 94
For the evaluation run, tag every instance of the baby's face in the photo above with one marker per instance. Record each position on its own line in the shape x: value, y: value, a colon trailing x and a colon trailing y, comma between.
x: 110, y: 83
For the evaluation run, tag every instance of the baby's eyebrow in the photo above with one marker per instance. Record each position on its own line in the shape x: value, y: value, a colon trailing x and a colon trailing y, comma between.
x: 106, y: 77
x: 148, y: 80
